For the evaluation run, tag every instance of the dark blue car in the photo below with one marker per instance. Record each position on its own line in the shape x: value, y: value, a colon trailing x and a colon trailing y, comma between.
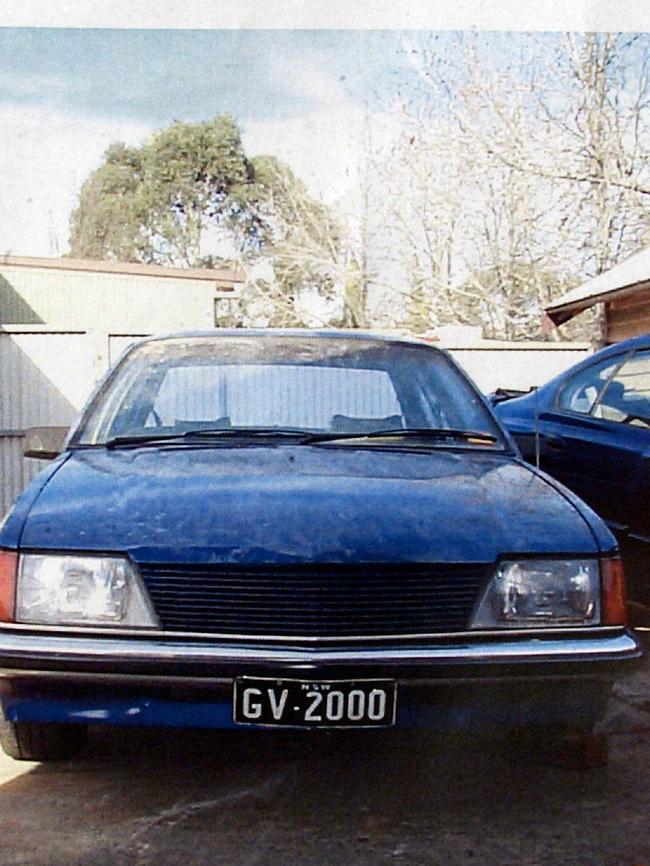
x: 304, y: 530
x: 590, y: 428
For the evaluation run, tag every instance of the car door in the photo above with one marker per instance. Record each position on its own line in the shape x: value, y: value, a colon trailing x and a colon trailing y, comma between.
x: 595, y: 438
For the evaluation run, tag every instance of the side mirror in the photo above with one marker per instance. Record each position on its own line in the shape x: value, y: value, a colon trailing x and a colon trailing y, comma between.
x: 44, y: 443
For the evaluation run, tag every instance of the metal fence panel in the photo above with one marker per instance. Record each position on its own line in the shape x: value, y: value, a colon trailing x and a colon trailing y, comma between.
x: 515, y: 367
x: 44, y: 378
x: 283, y: 395
x: 15, y: 471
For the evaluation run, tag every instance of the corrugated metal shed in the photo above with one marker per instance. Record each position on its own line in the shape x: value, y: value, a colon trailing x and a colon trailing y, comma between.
x: 111, y: 296
x: 226, y: 277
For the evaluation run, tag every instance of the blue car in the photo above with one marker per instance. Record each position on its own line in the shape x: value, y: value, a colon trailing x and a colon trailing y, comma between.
x: 300, y: 530
x: 589, y: 427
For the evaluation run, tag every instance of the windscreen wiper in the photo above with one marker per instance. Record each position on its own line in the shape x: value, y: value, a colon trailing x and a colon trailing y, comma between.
x: 292, y: 433
x: 302, y: 437
x: 210, y: 434
x: 145, y: 439
x: 423, y: 433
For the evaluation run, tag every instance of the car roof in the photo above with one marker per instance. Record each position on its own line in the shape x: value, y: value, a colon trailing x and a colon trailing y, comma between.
x: 640, y: 342
x: 311, y: 333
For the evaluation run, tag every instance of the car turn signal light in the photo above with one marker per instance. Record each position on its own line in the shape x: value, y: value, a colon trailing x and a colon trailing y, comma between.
x: 8, y: 572
x: 614, y: 600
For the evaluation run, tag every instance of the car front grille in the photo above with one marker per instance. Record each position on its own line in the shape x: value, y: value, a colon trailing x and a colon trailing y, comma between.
x: 315, y: 600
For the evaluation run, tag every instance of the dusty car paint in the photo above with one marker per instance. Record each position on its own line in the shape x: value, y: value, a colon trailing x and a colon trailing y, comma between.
x: 261, y: 504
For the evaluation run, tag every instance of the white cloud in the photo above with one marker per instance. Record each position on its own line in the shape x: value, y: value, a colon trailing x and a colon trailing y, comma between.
x: 308, y: 74
x: 45, y: 155
x: 17, y: 85
x: 322, y: 145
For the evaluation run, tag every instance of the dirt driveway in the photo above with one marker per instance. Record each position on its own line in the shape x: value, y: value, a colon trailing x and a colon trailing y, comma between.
x: 152, y: 797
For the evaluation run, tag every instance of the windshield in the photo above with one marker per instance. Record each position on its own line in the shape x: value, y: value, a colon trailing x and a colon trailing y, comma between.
x: 310, y: 384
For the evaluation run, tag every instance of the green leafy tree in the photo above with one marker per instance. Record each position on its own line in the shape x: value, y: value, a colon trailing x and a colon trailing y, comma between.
x: 154, y: 203
x: 159, y: 202
x: 112, y: 213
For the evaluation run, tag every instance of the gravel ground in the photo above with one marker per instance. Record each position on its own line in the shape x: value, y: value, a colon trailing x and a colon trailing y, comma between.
x: 168, y: 797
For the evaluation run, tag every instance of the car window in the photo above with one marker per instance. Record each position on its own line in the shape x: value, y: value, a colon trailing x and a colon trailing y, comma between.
x: 303, y: 383
x: 582, y: 391
x: 626, y: 397
x: 272, y: 395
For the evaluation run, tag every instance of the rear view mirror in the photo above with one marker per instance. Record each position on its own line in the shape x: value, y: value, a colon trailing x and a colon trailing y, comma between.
x: 44, y: 443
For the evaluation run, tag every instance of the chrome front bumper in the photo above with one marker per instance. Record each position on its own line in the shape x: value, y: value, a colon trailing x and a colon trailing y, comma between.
x: 470, y: 682
x: 25, y: 650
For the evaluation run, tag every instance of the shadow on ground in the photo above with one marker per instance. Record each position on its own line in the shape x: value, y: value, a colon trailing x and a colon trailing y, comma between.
x: 162, y: 797
x: 167, y: 797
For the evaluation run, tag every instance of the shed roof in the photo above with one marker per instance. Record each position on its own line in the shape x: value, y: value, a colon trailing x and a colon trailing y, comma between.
x: 225, y: 277
x: 625, y: 278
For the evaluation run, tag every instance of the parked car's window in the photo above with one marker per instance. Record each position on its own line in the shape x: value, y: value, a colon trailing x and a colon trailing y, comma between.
x: 626, y: 397
x: 321, y: 385
x: 581, y: 392
x: 273, y: 395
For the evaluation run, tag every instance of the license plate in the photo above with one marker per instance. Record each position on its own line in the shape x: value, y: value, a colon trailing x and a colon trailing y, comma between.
x: 314, y: 703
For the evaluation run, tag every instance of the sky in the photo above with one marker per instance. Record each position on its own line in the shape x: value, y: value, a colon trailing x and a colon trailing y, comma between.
x: 66, y: 94
x: 302, y: 94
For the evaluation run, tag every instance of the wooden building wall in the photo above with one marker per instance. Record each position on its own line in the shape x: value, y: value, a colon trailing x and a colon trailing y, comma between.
x: 628, y: 316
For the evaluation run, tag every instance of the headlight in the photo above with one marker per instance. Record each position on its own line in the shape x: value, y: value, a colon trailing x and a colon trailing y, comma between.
x: 81, y: 590
x: 541, y: 592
